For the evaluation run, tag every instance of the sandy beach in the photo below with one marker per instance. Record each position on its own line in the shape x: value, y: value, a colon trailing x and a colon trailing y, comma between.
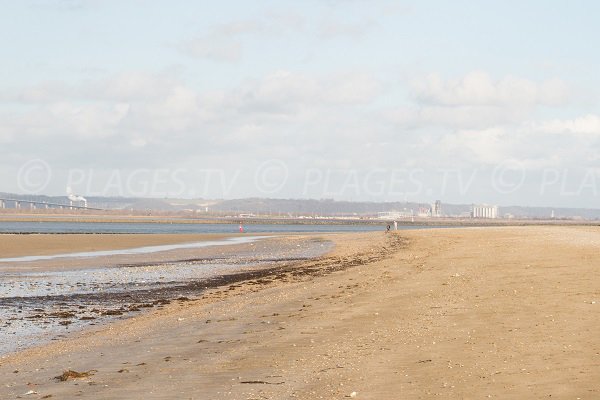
x: 62, y: 246
x: 14, y: 245
x: 503, y: 312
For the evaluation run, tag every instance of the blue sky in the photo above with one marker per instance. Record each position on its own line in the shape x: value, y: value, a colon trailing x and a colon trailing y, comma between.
x: 303, y: 99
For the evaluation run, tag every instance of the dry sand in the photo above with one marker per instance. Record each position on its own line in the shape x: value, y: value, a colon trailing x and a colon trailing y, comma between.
x: 450, y: 313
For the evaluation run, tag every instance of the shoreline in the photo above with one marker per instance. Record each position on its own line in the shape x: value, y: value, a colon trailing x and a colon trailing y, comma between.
x: 41, y: 300
x: 138, y: 250
x: 41, y: 244
x: 213, y: 288
x: 8, y: 216
x: 462, y: 313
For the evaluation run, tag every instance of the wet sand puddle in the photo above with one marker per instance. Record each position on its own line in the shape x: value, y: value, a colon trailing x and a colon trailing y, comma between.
x: 137, y: 250
x: 36, y: 307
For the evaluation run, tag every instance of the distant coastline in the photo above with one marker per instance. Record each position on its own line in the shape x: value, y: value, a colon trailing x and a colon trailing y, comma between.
x: 111, y: 217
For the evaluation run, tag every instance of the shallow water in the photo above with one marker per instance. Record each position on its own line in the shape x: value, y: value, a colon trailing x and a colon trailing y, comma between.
x: 136, y: 250
x: 37, y: 307
x: 114, y: 227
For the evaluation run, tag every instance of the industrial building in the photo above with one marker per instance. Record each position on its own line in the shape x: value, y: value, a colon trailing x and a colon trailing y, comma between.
x: 394, y: 215
x: 436, y: 209
x: 484, y: 211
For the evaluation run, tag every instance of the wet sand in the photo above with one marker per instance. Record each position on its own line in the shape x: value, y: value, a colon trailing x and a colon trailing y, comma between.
x: 55, y: 244
x: 45, y: 300
x: 450, y: 313
x: 17, y: 245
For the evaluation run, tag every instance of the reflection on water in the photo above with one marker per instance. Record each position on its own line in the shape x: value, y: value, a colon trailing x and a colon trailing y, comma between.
x: 36, y: 307
x: 118, y: 227
x: 137, y: 250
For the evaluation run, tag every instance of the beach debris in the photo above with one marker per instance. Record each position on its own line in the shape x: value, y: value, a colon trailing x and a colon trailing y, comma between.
x: 352, y: 395
x: 112, y: 312
x: 70, y: 374
x: 61, y: 314
x: 30, y: 393
x: 262, y: 383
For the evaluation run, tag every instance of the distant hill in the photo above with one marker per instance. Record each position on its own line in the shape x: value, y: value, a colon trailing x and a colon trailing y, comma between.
x: 296, y: 207
x: 320, y: 207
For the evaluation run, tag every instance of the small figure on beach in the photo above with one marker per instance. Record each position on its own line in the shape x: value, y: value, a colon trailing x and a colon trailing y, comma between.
x: 395, y: 225
x: 388, y: 228
x: 241, y: 228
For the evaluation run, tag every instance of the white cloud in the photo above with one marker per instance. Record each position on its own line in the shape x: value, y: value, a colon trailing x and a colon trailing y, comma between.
x: 459, y: 117
x: 129, y: 86
x: 143, y: 110
x: 487, y: 146
x: 587, y: 126
x: 476, y: 102
x: 161, y: 120
x: 80, y: 121
x: 286, y: 91
x: 353, y: 88
x: 479, y: 89
x: 535, y: 144
x: 477, y: 121
x: 125, y: 86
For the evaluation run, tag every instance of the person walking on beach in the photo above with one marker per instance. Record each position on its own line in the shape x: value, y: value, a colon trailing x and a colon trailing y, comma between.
x: 388, y: 228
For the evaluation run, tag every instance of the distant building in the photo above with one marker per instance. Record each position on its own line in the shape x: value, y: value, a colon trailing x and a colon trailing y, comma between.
x: 393, y: 215
x: 424, y: 212
x: 484, y: 211
x: 436, y: 209
x: 247, y: 215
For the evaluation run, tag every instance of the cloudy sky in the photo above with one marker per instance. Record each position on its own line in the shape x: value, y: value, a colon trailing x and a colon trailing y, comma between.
x: 463, y: 101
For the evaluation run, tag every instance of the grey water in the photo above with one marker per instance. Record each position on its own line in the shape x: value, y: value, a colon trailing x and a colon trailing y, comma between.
x: 164, y: 228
